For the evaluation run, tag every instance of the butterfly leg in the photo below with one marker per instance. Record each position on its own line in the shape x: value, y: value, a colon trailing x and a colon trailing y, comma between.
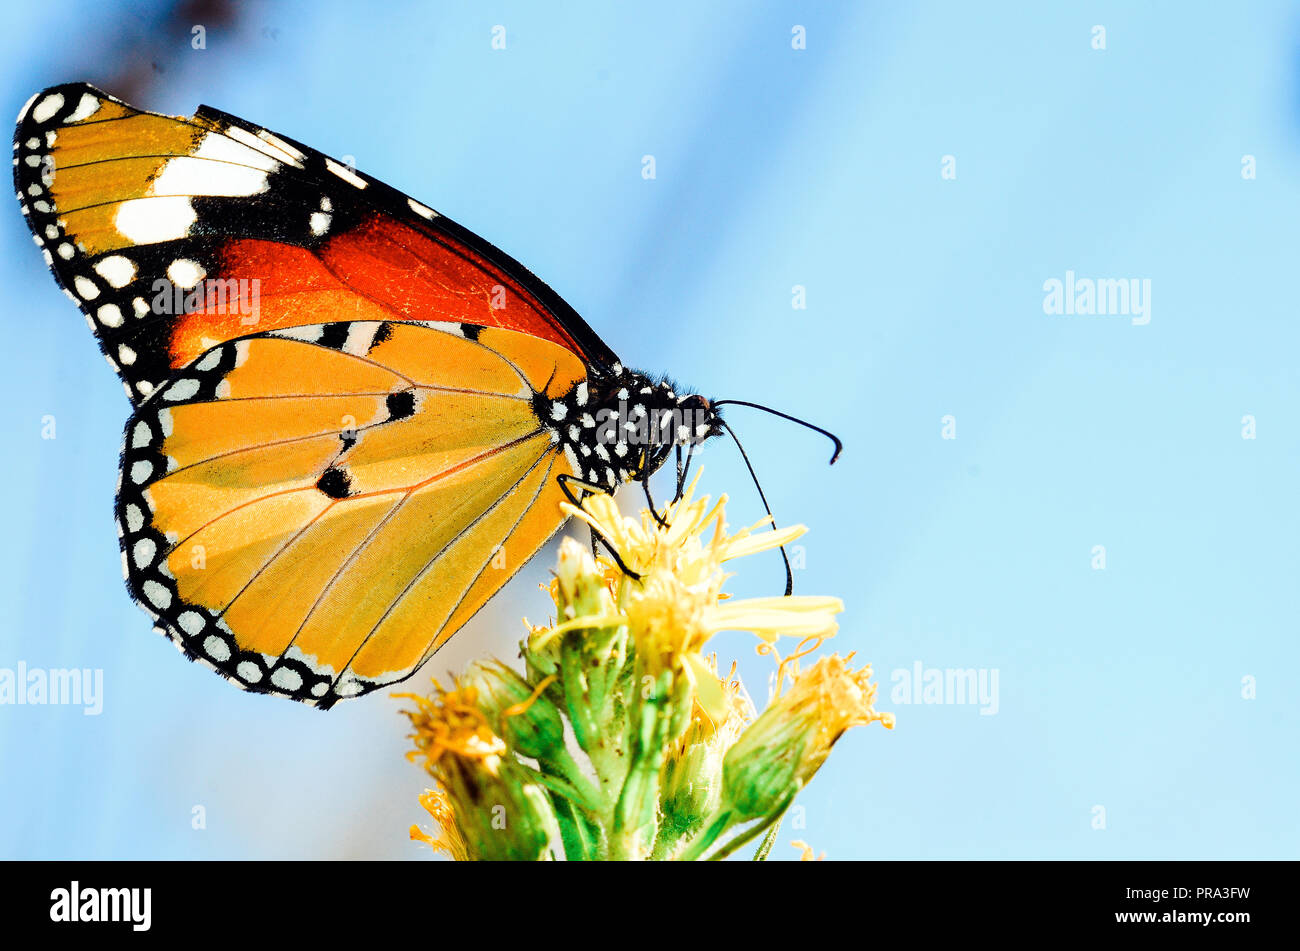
x: 683, y: 470
x: 645, y: 485
x: 563, y: 480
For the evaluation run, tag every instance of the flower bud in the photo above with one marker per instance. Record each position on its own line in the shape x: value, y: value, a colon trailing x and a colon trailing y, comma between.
x: 782, y: 750
x: 530, y: 725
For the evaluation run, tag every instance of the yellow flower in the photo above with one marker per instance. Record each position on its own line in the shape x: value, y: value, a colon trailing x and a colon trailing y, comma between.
x: 482, y: 787
x: 449, y: 840
x: 737, y: 705
x: 676, y: 604
x: 787, y: 744
x: 621, y: 738
x: 836, y: 697
x: 692, y: 777
x: 451, y: 722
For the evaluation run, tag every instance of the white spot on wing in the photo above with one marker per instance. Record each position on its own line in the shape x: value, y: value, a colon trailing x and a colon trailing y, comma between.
x: 345, y: 173
x: 151, y: 220
x: 157, y: 595
x: 182, y: 389
x: 86, y: 108
x: 361, y: 335
x: 185, y: 273
x: 248, y: 672
x: 287, y: 679
x: 225, y: 148
x: 246, y: 138
x: 46, y: 108
x: 143, y: 552
x: 209, y: 360
x: 309, y: 333
x: 116, y: 269
x: 273, y: 140
x: 188, y: 175
x: 422, y: 210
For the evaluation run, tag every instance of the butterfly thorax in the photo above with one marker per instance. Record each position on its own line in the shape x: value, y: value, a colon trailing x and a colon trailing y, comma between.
x: 620, y: 425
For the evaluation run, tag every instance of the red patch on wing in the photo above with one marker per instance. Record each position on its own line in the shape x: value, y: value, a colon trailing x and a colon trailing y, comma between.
x: 381, y: 269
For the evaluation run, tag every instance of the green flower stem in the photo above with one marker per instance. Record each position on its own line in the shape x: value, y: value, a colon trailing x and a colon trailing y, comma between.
x: 765, y: 847
x: 597, y: 713
x: 636, y: 812
x: 724, y: 818
x: 577, y: 698
x: 731, y: 845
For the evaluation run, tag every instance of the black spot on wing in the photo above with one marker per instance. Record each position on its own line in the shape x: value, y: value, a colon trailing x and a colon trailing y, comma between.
x: 335, y: 483
x: 400, y: 405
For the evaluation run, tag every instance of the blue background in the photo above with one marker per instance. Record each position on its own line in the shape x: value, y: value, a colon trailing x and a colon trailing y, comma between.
x: 1120, y: 688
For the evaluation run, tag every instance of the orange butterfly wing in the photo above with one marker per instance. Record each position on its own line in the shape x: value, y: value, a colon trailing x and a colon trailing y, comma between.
x: 315, y: 520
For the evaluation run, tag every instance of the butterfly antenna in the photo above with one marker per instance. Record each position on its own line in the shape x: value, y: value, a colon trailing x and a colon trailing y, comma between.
x: 789, y: 575
x: 794, y: 419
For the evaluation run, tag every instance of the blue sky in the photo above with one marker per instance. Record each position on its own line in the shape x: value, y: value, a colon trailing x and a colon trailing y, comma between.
x: 1121, y: 689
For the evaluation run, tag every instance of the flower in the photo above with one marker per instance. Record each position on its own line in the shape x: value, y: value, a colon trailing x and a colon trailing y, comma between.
x: 450, y: 722
x: 487, y: 805
x: 438, y: 804
x: 528, y: 721
x: 675, y: 604
x: 779, y: 753
x: 620, y: 738
x: 692, y: 780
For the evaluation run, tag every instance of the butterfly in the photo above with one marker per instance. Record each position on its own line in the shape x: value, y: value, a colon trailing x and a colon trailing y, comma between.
x: 352, y: 419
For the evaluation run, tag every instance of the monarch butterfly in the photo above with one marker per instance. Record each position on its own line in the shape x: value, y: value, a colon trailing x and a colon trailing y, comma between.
x: 348, y: 411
